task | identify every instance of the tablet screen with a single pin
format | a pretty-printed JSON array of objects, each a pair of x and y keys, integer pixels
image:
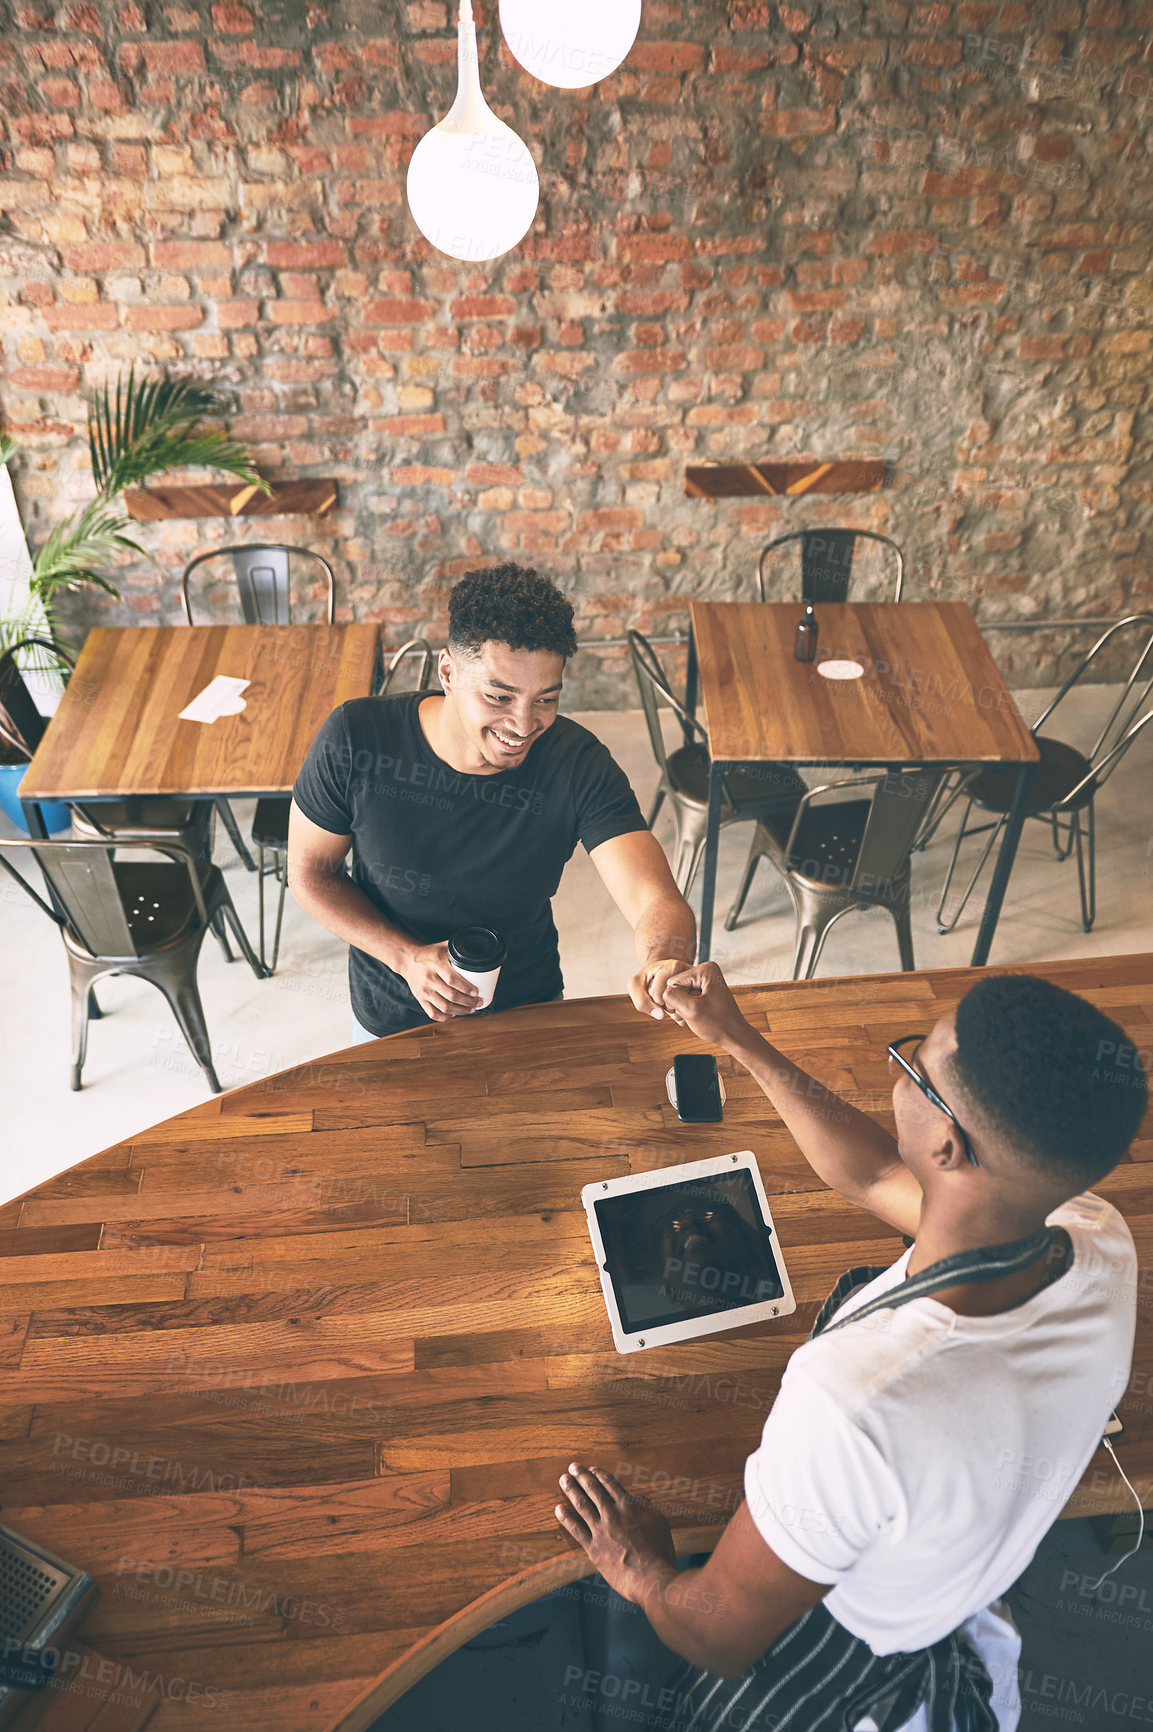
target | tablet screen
[{"x": 687, "y": 1250}]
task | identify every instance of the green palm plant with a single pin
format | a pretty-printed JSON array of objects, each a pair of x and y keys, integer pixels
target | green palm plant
[{"x": 137, "y": 429}]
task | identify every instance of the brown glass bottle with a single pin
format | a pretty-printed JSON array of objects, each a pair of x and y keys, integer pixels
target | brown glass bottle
[{"x": 805, "y": 648}]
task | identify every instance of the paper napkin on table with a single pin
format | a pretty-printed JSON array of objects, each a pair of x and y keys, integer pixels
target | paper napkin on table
[{"x": 221, "y": 697}]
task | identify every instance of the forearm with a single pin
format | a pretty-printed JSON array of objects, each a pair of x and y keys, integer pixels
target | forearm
[
  {"x": 666, "y": 931},
  {"x": 844, "y": 1146},
  {"x": 334, "y": 900},
  {"x": 691, "y": 1619}
]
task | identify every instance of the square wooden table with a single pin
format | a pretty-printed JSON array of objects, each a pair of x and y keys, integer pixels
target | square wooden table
[
  {"x": 118, "y": 733},
  {"x": 930, "y": 693}
]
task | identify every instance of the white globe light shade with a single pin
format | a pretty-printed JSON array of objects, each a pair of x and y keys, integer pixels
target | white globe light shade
[
  {"x": 570, "y": 43},
  {"x": 472, "y": 184}
]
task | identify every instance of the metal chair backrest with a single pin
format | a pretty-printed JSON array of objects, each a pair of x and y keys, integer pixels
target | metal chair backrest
[
  {"x": 417, "y": 649},
  {"x": 21, "y": 724},
  {"x": 655, "y": 690},
  {"x": 899, "y": 801},
  {"x": 262, "y": 573},
  {"x": 89, "y": 896},
  {"x": 1119, "y": 727},
  {"x": 827, "y": 562}
]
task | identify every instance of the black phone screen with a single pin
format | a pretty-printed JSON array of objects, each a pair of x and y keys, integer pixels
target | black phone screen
[{"x": 697, "y": 1088}]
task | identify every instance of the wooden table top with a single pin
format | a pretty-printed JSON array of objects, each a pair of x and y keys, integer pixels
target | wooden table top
[
  {"x": 118, "y": 730},
  {"x": 294, "y": 1374},
  {"x": 930, "y": 693}
]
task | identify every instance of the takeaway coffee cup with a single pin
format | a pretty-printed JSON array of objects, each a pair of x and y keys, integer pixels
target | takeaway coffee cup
[{"x": 477, "y": 952}]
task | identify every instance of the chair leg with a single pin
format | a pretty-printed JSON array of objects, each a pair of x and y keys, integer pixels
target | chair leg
[
  {"x": 183, "y": 995},
  {"x": 221, "y": 936},
  {"x": 944, "y": 925},
  {"x": 94, "y": 1010},
  {"x": 1088, "y": 889},
  {"x": 79, "y": 977},
  {"x": 260, "y": 900},
  {"x": 810, "y": 943},
  {"x": 658, "y": 802},
  {"x": 228, "y": 819},
  {"x": 282, "y": 876},
  {"x": 756, "y": 851},
  {"x": 224, "y": 908},
  {"x": 904, "y": 925}
]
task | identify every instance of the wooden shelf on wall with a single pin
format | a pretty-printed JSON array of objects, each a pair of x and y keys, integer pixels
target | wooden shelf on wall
[
  {"x": 287, "y": 499},
  {"x": 789, "y": 480}
]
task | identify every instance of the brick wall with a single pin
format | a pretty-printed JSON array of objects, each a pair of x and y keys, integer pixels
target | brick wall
[{"x": 917, "y": 231}]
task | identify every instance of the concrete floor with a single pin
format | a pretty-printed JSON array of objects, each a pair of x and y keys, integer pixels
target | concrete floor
[{"x": 139, "y": 1070}]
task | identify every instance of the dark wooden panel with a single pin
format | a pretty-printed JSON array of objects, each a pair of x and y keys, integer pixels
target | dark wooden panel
[
  {"x": 284, "y": 499},
  {"x": 802, "y": 475}
]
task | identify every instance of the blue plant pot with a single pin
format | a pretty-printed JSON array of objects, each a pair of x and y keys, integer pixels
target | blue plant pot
[{"x": 57, "y": 815}]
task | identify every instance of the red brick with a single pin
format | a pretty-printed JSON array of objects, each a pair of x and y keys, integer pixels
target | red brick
[
  {"x": 481, "y": 306},
  {"x": 234, "y": 56},
  {"x": 173, "y": 57},
  {"x": 290, "y": 312},
  {"x": 611, "y": 517},
  {"x": 567, "y": 363},
  {"x": 45, "y": 378},
  {"x": 236, "y": 314},
  {"x": 102, "y": 93},
  {"x": 799, "y": 122},
  {"x": 162, "y": 318},
  {"x": 398, "y": 312},
  {"x": 399, "y": 124},
  {"x": 848, "y": 330},
  {"x": 666, "y": 56},
  {"x": 60, "y": 92},
  {"x": 410, "y": 424},
  {"x": 655, "y": 248},
  {"x": 1041, "y": 348},
  {"x": 895, "y": 242},
  {"x": 306, "y": 254},
  {"x": 650, "y": 361},
  {"x": 421, "y": 475},
  {"x": 814, "y": 300},
  {"x": 191, "y": 255},
  {"x": 232, "y": 20},
  {"x": 494, "y": 474},
  {"x": 928, "y": 53},
  {"x": 90, "y": 316},
  {"x": 731, "y": 357},
  {"x": 103, "y": 256},
  {"x": 768, "y": 330},
  {"x": 481, "y": 366}
]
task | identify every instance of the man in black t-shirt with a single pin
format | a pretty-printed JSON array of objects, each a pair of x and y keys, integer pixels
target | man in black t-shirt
[{"x": 462, "y": 809}]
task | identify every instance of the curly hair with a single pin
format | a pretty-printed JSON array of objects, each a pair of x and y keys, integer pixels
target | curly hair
[
  {"x": 507, "y": 604},
  {"x": 1059, "y": 1080}
]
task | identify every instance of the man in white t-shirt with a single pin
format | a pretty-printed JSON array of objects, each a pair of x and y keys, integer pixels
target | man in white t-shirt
[{"x": 914, "y": 1457}]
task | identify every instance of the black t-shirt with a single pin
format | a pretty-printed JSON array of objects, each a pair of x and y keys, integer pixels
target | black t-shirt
[{"x": 435, "y": 849}]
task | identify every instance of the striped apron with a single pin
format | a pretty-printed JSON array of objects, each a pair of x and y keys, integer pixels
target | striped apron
[{"x": 817, "y": 1676}]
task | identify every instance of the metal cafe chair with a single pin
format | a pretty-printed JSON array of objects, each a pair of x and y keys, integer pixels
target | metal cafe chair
[
  {"x": 827, "y": 562},
  {"x": 43, "y": 1602},
  {"x": 146, "y": 919},
  {"x": 840, "y": 850},
  {"x": 746, "y": 794},
  {"x": 268, "y": 581},
  {"x": 1066, "y": 781},
  {"x": 270, "y": 825}
]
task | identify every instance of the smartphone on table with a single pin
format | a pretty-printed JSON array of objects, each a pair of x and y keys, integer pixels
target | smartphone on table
[{"x": 697, "y": 1088}]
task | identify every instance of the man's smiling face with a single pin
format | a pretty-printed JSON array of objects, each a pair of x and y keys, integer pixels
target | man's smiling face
[{"x": 502, "y": 700}]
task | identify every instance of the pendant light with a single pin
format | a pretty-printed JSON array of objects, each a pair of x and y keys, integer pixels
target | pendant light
[
  {"x": 472, "y": 184},
  {"x": 570, "y": 43}
]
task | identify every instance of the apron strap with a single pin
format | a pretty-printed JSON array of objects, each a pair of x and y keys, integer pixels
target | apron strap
[{"x": 988, "y": 1263}]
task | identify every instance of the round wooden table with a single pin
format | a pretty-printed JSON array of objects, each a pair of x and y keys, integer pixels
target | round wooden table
[{"x": 293, "y": 1375}]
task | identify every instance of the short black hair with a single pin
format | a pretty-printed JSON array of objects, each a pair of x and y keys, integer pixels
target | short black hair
[
  {"x": 1055, "y": 1076},
  {"x": 507, "y": 604}
]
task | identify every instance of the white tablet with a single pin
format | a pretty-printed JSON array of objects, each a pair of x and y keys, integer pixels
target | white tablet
[{"x": 686, "y": 1251}]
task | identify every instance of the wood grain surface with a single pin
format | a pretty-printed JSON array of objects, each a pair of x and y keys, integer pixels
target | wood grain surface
[
  {"x": 801, "y": 475},
  {"x": 294, "y": 1374},
  {"x": 284, "y": 499},
  {"x": 118, "y": 729},
  {"x": 930, "y": 693}
]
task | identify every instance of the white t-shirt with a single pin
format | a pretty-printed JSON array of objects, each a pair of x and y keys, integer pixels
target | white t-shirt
[{"x": 917, "y": 1458}]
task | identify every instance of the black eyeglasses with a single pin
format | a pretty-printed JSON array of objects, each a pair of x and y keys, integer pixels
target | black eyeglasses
[{"x": 929, "y": 1091}]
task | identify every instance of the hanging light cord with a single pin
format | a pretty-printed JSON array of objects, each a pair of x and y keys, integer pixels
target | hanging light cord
[{"x": 1107, "y": 1443}]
